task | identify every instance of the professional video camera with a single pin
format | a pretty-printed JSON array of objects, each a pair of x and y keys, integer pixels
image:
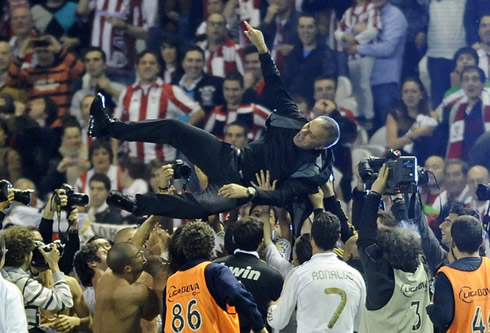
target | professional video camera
[
  {"x": 483, "y": 192},
  {"x": 19, "y": 195},
  {"x": 74, "y": 198},
  {"x": 182, "y": 170},
  {"x": 404, "y": 173},
  {"x": 38, "y": 260}
]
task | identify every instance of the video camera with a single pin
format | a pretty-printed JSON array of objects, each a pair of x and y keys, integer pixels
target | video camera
[
  {"x": 74, "y": 198},
  {"x": 483, "y": 192},
  {"x": 404, "y": 173},
  {"x": 38, "y": 260},
  {"x": 23, "y": 196},
  {"x": 182, "y": 170}
]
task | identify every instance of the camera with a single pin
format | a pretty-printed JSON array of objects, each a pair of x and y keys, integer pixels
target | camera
[
  {"x": 483, "y": 192},
  {"x": 74, "y": 198},
  {"x": 404, "y": 173},
  {"x": 19, "y": 195},
  {"x": 40, "y": 43},
  {"x": 38, "y": 260},
  {"x": 182, "y": 170}
]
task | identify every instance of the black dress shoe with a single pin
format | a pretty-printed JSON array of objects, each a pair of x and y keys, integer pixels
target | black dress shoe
[
  {"x": 99, "y": 121},
  {"x": 122, "y": 201}
]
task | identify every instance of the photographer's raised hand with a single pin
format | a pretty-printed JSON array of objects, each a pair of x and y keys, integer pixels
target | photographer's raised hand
[
  {"x": 50, "y": 209},
  {"x": 10, "y": 198},
  {"x": 52, "y": 258},
  {"x": 164, "y": 177},
  {"x": 379, "y": 184}
]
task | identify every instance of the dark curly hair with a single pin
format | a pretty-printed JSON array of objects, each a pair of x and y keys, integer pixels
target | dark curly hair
[
  {"x": 176, "y": 257},
  {"x": 197, "y": 240},
  {"x": 325, "y": 230},
  {"x": 401, "y": 248},
  {"x": 19, "y": 243},
  {"x": 466, "y": 232},
  {"x": 248, "y": 233},
  {"x": 86, "y": 254}
]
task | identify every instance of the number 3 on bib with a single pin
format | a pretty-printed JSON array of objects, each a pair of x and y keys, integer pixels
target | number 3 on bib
[{"x": 194, "y": 318}]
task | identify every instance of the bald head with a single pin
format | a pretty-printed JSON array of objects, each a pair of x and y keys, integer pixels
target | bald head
[
  {"x": 120, "y": 256},
  {"x": 435, "y": 164},
  {"x": 476, "y": 175},
  {"x": 124, "y": 235}
]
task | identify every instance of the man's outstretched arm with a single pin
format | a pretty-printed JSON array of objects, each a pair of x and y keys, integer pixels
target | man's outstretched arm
[{"x": 275, "y": 89}]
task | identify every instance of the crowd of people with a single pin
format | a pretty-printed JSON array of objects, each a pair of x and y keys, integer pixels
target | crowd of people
[{"x": 218, "y": 140}]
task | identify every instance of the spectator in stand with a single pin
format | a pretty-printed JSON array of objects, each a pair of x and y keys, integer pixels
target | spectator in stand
[
  {"x": 446, "y": 34},
  {"x": 72, "y": 160},
  {"x": 171, "y": 62},
  {"x": 220, "y": 294},
  {"x": 55, "y": 71},
  {"x": 477, "y": 174},
  {"x": 466, "y": 56},
  {"x": 236, "y": 134},
  {"x": 466, "y": 277},
  {"x": 212, "y": 7},
  {"x": 10, "y": 162},
  {"x": 22, "y": 30},
  {"x": 6, "y": 59},
  {"x": 474, "y": 9},
  {"x": 410, "y": 127},
  {"x": 360, "y": 24},
  {"x": 309, "y": 59},
  {"x": 397, "y": 281},
  {"x": 205, "y": 89},
  {"x": 85, "y": 112},
  {"x": 465, "y": 120},
  {"x": 388, "y": 51},
  {"x": 98, "y": 210},
  {"x": 58, "y": 18},
  {"x": 222, "y": 54},
  {"x": 484, "y": 46},
  {"x": 239, "y": 11},
  {"x": 116, "y": 26},
  {"x": 132, "y": 173},
  {"x": 416, "y": 44},
  {"x": 94, "y": 81},
  {"x": 20, "y": 244},
  {"x": 280, "y": 29},
  {"x": 100, "y": 156},
  {"x": 253, "y": 80},
  {"x": 251, "y": 115},
  {"x": 261, "y": 280},
  {"x": 151, "y": 98},
  {"x": 324, "y": 88},
  {"x": 455, "y": 173},
  {"x": 13, "y": 318}
]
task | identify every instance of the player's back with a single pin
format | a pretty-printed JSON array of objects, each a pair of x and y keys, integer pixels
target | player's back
[
  {"x": 116, "y": 308},
  {"x": 330, "y": 295}
]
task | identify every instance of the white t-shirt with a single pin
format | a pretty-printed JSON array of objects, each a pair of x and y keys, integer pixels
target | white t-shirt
[
  {"x": 327, "y": 293},
  {"x": 12, "y": 313}
]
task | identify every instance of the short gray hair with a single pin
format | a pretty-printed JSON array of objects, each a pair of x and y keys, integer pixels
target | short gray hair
[{"x": 333, "y": 131}]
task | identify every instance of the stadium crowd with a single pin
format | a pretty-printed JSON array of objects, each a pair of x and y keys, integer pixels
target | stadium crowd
[{"x": 228, "y": 166}]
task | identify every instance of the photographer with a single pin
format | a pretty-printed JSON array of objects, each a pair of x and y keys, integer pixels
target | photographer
[
  {"x": 5, "y": 204},
  {"x": 57, "y": 202},
  {"x": 397, "y": 282},
  {"x": 20, "y": 245}
]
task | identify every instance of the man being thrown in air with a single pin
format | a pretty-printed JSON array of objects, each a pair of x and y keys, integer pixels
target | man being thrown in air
[{"x": 294, "y": 150}]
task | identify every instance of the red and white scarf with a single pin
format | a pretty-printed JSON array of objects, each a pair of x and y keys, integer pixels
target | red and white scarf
[{"x": 456, "y": 124}]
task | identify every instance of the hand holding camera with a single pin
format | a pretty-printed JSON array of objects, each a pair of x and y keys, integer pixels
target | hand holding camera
[
  {"x": 379, "y": 185},
  {"x": 6, "y": 188},
  {"x": 51, "y": 255},
  {"x": 10, "y": 197}
]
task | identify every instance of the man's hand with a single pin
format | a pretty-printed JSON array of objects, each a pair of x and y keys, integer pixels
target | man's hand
[
  {"x": 26, "y": 48},
  {"x": 52, "y": 257},
  {"x": 349, "y": 40},
  {"x": 10, "y": 198},
  {"x": 51, "y": 206},
  {"x": 54, "y": 45},
  {"x": 379, "y": 184},
  {"x": 73, "y": 220},
  {"x": 324, "y": 107},
  {"x": 359, "y": 27},
  {"x": 316, "y": 199},
  {"x": 351, "y": 49},
  {"x": 328, "y": 190},
  {"x": 157, "y": 243},
  {"x": 256, "y": 38},
  {"x": 165, "y": 175},
  {"x": 66, "y": 323},
  {"x": 264, "y": 181},
  {"x": 116, "y": 22},
  {"x": 233, "y": 191}
]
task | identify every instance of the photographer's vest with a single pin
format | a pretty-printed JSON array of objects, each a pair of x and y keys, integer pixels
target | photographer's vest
[
  {"x": 471, "y": 291},
  {"x": 405, "y": 311},
  {"x": 192, "y": 308}
]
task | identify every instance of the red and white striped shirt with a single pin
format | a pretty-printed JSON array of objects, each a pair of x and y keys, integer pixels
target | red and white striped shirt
[
  {"x": 224, "y": 60},
  {"x": 157, "y": 101},
  {"x": 247, "y": 10},
  {"x": 114, "y": 174},
  {"x": 118, "y": 46},
  {"x": 251, "y": 115}
]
